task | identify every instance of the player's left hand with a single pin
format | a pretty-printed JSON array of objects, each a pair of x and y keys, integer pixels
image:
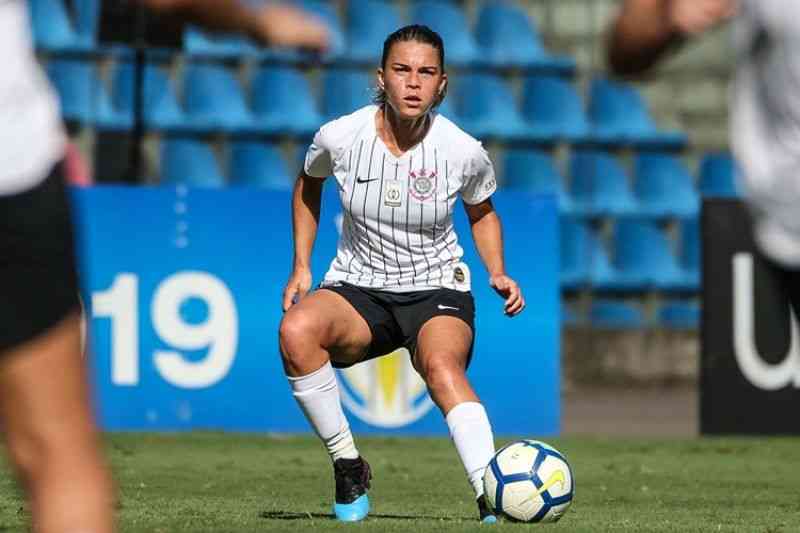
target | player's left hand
[{"x": 508, "y": 289}]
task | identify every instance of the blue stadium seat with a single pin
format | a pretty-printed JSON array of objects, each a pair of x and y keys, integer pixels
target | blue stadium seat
[
  {"x": 643, "y": 257},
  {"x": 680, "y": 315},
  {"x": 553, "y": 109},
  {"x": 664, "y": 186},
  {"x": 83, "y": 95},
  {"x": 448, "y": 20},
  {"x": 345, "y": 91},
  {"x": 87, "y": 16},
  {"x": 600, "y": 185},
  {"x": 189, "y": 162},
  {"x": 509, "y": 39},
  {"x": 53, "y": 30},
  {"x": 718, "y": 176},
  {"x": 619, "y": 116},
  {"x": 197, "y": 43},
  {"x": 161, "y": 109},
  {"x": 76, "y": 85},
  {"x": 369, "y": 22},
  {"x": 602, "y": 273},
  {"x": 282, "y": 102},
  {"x": 534, "y": 171},
  {"x": 576, "y": 247},
  {"x": 214, "y": 100},
  {"x": 488, "y": 108},
  {"x": 615, "y": 314},
  {"x": 690, "y": 254},
  {"x": 259, "y": 165}
]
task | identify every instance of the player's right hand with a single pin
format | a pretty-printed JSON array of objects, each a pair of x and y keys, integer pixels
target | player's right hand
[
  {"x": 297, "y": 287},
  {"x": 286, "y": 26},
  {"x": 691, "y": 17}
]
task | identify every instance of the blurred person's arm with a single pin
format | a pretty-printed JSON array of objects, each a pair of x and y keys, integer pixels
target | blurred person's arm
[
  {"x": 644, "y": 30},
  {"x": 269, "y": 24},
  {"x": 306, "y": 200}
]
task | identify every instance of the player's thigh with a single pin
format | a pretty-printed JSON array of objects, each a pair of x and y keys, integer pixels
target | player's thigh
[
  {"x": 443, "y": 342},
  {"x": 44, "y": 397},
  {"x": 38, "y": 280},
  {"x": 331, "y": 320}
]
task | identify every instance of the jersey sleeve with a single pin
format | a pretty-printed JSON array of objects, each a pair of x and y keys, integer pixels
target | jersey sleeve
[
  {"x": 479, "y": 178},
  {"x": 319, "y": 162}
]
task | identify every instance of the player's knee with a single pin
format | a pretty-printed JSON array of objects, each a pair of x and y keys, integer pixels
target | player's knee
[
  {"x": 29, "y": 451},
  {"x": 440, "y": 372},
  {"x": 297, "y": 330}
]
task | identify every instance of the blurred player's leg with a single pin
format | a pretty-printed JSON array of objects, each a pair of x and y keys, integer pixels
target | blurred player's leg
[
  {"x": 44, "y": 399},
  {"x": 51, "y": 437},
  {"x": 441, "y": 357},
  {"x": 320, "y": 327}
]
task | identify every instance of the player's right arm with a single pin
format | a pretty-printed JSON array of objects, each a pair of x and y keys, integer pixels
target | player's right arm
[
  {"x": 306, "y": 201},
  {"x": 270, "y": 24},
  {"x": 645, "y": 30}
]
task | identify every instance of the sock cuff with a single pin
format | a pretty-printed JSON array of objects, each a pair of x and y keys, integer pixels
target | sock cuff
[
  {"x": 465, "y": 411},
  {"x": 315, "y": 380}
]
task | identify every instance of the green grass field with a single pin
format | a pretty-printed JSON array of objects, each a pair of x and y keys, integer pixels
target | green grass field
[{"x": 221, "y": 482}]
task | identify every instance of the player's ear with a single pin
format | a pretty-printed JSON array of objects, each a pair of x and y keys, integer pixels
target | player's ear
[
  {"x": 381, "y": 83},
  {"x": 442, "y": 84}
]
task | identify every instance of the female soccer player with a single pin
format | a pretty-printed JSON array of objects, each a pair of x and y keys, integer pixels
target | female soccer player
[{"x": 397, "y": 279}]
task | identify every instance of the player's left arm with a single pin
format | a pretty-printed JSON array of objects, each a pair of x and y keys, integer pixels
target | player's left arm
[{"x": 487, "y": 232}]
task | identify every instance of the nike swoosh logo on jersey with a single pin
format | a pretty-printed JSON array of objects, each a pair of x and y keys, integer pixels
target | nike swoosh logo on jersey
[
  {"x": 365, "y": 180},
  {"x": 440, "y": 306}
]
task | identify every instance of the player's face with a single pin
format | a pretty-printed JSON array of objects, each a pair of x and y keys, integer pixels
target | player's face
[{"x": 412, "y": 78}]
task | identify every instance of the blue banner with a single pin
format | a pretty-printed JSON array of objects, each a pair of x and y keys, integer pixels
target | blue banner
[{"x": 183, "y": 293}]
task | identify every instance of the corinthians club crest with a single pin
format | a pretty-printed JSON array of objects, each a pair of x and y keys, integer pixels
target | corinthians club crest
[{"x": 422, "y": 184}]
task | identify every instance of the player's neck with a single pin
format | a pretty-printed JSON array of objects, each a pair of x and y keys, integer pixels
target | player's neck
[{"x": 400, "y": 135}]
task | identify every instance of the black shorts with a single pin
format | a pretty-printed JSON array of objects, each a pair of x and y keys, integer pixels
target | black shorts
[
  {"x": 396, "y": 318},
  {"x": 38, "y": 280}
]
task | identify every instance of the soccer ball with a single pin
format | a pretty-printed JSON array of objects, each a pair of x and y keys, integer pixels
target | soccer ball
[{"x": 529, "y": 481}]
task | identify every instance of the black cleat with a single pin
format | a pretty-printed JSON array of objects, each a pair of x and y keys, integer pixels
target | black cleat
[
  {"x": 486, "y": 513},
  {"x": 352, "y": 481}
]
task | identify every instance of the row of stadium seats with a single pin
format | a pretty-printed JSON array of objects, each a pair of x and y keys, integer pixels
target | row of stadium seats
[
  {"x": 280, "y": 102},
  {"x": 611, "y": 314},
  {"x": 503, "y": 35},
  {"x": 600, "y": 186},
  {"x": 642, "y": 257},
  {"x": 663, "y": 187}
]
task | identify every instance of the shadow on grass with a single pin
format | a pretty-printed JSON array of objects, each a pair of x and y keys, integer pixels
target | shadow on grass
[{"x": 288, "y": 515}]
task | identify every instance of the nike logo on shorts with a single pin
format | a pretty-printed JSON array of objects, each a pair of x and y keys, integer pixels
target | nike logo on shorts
[
  {"x": 365, "y": 180},
  {"x": 440, "y": 306}
]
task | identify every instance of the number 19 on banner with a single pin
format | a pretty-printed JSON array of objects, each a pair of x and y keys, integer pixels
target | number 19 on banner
[{"x": 218, "y": 333}]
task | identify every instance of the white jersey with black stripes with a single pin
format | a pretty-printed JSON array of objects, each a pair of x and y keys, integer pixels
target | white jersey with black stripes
[
  {"x": 397, "y": 232},
  {"x": 765, "y": 122},
  {"x": 31, "y": 136}
]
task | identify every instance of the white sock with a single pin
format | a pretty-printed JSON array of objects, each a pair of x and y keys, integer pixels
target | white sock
[
  {"x": 472, "y": 435},
  {"x": 318, "y": 396}
]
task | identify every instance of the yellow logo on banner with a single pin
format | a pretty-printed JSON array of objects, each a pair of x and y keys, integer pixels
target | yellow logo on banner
[{"x": 386, "y": 392}]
